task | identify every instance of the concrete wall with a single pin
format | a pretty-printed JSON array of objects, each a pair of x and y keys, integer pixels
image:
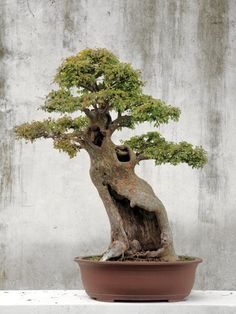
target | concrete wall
[{"x": 50, "y": 212}]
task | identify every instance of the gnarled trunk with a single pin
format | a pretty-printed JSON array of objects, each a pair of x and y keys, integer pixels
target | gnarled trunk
[{"x": 138, "y": 219}]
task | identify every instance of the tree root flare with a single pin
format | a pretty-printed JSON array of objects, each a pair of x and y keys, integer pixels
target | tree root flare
[
  {"x": 118, "y": 252},
  {"x": 152, "y": 256},
  {"x": 116, "y": 249}
]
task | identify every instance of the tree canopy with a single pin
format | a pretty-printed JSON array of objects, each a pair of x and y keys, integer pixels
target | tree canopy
[{"x": 94, "y": 83}]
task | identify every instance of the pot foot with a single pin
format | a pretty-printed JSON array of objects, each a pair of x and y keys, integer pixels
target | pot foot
[
  {"x": 135, "y": 298},
  {"x": 104, "y": 299},
  {"x": 177, "y": 299}
]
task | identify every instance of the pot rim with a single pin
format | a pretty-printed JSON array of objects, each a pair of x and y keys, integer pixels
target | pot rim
[{"x": 84, "y": 259}]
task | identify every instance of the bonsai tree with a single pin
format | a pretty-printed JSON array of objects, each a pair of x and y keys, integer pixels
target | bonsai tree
[{"x": 106, "y": 96}]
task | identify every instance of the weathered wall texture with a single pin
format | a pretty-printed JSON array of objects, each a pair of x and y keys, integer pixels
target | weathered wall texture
[{"x": 50, "y": 212}]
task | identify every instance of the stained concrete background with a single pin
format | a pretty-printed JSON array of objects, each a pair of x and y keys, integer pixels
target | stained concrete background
[{"x": 50, "y": 212}]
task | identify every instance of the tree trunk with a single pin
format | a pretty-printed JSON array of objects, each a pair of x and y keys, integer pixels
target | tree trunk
[{"x": 138, "y": 219}]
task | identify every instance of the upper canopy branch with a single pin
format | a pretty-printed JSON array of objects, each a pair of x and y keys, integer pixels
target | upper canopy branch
[
  {"x": 89, "y": 113},
  {"x": 121, "y": 121},
  {"x": 95, "y": 80}
]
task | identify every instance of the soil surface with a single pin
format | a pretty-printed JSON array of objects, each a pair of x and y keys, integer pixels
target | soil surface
[{"x": 141, "y": 259}]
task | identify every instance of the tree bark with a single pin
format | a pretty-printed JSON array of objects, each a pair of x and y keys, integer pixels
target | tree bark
[{"x": 138, "y": 219}]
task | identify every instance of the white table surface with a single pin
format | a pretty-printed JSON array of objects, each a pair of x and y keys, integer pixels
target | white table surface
[{"x": 76, "y": 301}]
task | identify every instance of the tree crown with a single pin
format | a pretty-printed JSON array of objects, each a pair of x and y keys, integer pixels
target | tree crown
[{"x": 94, "y": 83}]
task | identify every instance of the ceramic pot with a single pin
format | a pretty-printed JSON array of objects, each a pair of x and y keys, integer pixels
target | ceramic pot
[{"x": 137, "y": 280}]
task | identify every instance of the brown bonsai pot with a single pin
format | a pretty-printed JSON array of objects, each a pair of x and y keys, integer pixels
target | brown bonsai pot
[{"x": 137, "y": 280}]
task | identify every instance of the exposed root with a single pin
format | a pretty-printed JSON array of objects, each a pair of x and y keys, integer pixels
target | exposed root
[
  {"x": 116, "y": 249},
  {"x": 157, "y": 256},
  {"x": 137, "y": 234}
]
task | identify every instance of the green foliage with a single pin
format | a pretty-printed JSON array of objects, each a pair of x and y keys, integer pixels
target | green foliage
[
  {"x": 64, "y": 131},
  {"x": 83, "y": 69},
  {"x": 153, "y": 146},
  {"x": 95, "y": 79},
  {"x": 66, "y": 145},
  {"x": 113, "y": 98},
  {"x": 61, "y": 101},
  {"x": 97, "y": 69},
  {"x": 49, "y": 128},
  {"x": 154, "y": 110}
]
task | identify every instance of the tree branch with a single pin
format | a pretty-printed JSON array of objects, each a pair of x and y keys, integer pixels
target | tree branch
[
  {"x": 120, "y": 121},
  {"x": 74, "y": 136},
  {"x": 91, "y": 89},
  {"x": 140, "y": 157},
  {"x": 88, "y": 113},
  {"x": 106, "y": 108}
]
